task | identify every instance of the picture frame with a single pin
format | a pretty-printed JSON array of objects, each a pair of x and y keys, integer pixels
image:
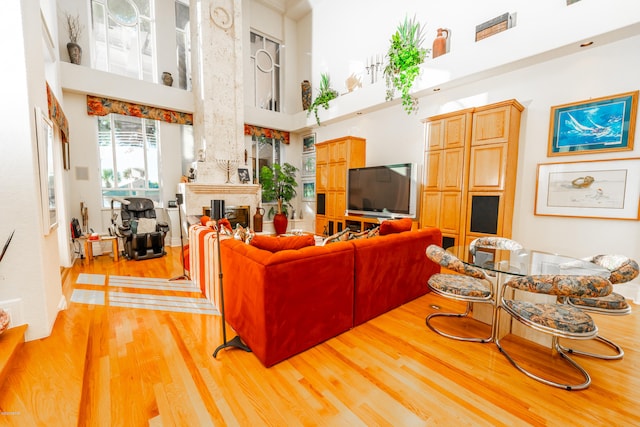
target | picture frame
[
  {"x": 597, "y": 125},
  {"x": 243, "y": 175},
  {"x": 591, "y": 189},
  {"x": 46, "y": 170},
  {"x": 309, "y": 143},
  {"x": 308, "y": 168},
  {"x": 308, "y": 190}
]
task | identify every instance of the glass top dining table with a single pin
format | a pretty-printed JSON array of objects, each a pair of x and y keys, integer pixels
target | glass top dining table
[
  {"x": 523, "y": 262},
  {"x": 520, "y": 262}
]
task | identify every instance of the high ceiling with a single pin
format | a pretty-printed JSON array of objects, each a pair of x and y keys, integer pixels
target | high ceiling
[{"x": 294, "y": 9}]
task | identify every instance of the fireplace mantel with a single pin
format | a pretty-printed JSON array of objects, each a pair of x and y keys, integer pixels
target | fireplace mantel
[
  {"x": 222, "y": 188},
  {"x": 197, "y": 195}
]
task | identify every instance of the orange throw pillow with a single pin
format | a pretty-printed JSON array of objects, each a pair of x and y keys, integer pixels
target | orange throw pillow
[
  {"x": 275, "y": 244},
  {"x": 391, "y": 226},
  {"x": 204, "y": 219}
]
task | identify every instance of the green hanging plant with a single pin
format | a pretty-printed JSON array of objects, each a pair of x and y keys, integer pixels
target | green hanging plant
[
  {"x": 325, "y": 94},
  {"x": 405, "y": 56}
]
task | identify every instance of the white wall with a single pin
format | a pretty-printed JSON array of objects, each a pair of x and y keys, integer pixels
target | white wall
[
  {"x": 603, "y": 69},
  {"x": 29, "y": 272}
]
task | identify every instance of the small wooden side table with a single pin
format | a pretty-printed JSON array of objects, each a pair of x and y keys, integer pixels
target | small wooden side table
[{"x": 88, "y": 247}]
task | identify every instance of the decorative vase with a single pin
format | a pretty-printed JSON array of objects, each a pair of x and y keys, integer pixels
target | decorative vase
[
  {"x": 306, "y": 94},
  {"x": 75, "y": 53},
  {"x": 280, "y": 223},
  {"x": 167, "y": 79},
  {"x": 257, "y": 220},
  {"x": 440, "y": 43}
]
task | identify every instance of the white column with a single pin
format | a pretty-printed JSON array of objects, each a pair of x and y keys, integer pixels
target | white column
[{"x": 219, "y": 109}]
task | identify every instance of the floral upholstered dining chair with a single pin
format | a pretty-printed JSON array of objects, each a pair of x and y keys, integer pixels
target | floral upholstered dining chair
[
  {"x": 470, "y": 286},
  {"x": 556, "y": 319},
  {"x": 623, "y": 269}
]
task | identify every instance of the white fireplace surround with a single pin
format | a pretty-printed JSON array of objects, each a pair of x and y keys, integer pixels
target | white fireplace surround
[{"x": 196, "y": 196}]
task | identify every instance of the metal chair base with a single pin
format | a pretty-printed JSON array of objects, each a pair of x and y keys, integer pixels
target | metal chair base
[
  {"x": 569, "y": 387},
  {"x": 619, "y": 351},
  {"x": 455, "y": 337}
]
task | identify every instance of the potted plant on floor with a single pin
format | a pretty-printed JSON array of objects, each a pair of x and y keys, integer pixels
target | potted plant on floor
[
  {"x": 279, "y": 183},
  {"x": 405, "y": 56},
  {"x": 325, "y": 94}
]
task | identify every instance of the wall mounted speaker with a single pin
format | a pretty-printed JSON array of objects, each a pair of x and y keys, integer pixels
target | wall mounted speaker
[
  {"x": 484, "y": 214},
  {"x": 179, "y": 199},
  {"x": 217, "y": 209},
  {"x": 320, "y": 205}
]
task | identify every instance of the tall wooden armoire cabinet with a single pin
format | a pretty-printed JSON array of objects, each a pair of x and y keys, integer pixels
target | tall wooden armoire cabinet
[
  {"x": 333, "y": 159},
  {"x": 471, "y": 159}
]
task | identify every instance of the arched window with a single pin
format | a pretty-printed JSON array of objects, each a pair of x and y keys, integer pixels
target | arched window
[{"x": 124, "y": 37}]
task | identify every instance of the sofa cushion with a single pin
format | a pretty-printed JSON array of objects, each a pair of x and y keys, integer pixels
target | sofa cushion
[
  {"x": 366, "y": 234},
  {"x": 391, "y": 226},
  {"x": 275, "y": 244},
  {"x": 340, "y": 236}
]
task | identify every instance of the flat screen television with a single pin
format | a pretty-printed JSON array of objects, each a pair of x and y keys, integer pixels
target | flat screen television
[{"x": 388, "y": 191}]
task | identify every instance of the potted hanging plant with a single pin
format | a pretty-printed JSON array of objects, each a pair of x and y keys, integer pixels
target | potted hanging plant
[
  {"x": 325, "y": 94},
  {"x": 405, "y": 56},
  {"x": 74, "y": 29},
  {"x": 279, "y": 183}
]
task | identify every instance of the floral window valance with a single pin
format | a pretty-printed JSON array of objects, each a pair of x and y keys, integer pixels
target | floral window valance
[
  {"x": 266, "y": 133},
  {"x": 57, "y": 115},
  {"x": 97, "y": 106}
]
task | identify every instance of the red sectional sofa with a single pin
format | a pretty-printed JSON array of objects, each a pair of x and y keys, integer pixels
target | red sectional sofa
[{"x": 286, "y": 302}]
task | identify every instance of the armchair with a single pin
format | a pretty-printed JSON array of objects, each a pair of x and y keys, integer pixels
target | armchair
[{"x": 142, "y": 233}]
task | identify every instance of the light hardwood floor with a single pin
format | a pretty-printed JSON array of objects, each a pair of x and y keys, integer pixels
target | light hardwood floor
[{"x": 113, "y": 366}]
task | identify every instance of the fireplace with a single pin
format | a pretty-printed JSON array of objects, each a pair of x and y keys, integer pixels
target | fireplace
[
  {"x": 235, "y": 214},
  {"x": 239, "y": 199}
]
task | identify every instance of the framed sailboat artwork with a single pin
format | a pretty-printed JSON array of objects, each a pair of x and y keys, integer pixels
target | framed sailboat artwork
[{"x": 593, "y": 126}]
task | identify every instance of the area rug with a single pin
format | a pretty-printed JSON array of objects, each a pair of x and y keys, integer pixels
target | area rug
[
  {"x": 142, "y": 300},
  {"x": 152, "y": 283},
  {"x": 91, "y": 279}
]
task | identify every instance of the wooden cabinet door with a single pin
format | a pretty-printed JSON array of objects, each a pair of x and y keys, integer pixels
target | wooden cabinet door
[
  {"x": 357, "y": 153},
  {"x": 322, "y": 153},
  {"x": 322, "y": 177},
  {"x": 491, "y": 126},
  {"x": 341, "y": 203},
  {"x": 487, "y": 168},
  {"x": 455, "y": 131},
  {"x": 436, "y": 135},
  {"x": 321, "y": 223},
  {"x": 332, "y": 177},
  {"x": 331, "y": 204},
  {"x": 450, "y": 211},
  {"x": 430, "y": 209},
  {"x": 340, "y": 178},
  {"x": 432, "y": 161},
  {"x": 452, "y": 173},
  {"x": 338, "y": 151}
]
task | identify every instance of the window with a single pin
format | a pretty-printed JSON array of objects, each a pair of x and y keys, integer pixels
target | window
[
  {"x": 129, "y": 157},
  {"x": 264, "y": 152},
  {"x": 124, "y": 37},
  {"x": 265, "y": 62},
  {"x": 183, "y": 45}
]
